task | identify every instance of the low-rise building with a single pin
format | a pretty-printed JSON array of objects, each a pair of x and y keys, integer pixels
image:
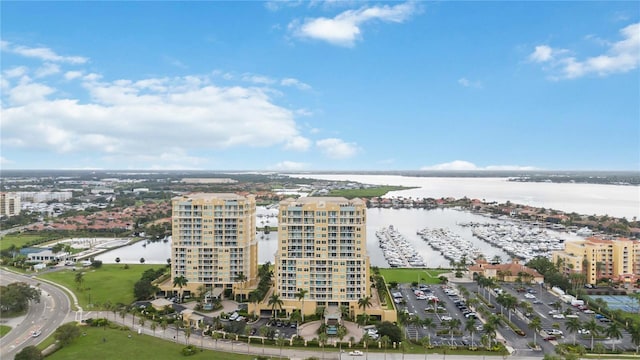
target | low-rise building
[{"x": 505, "y": 272}]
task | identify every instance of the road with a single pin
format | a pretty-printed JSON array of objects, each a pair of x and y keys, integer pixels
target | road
[{"x": 52, "y": 311}]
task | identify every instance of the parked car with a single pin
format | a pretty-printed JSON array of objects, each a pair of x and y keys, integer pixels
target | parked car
[
  {"x": 356, "y": 353},
  {"x": 557, "y": 316},
  {"x": 584, "y": 332},
  {"x": 550, "y": 337}
]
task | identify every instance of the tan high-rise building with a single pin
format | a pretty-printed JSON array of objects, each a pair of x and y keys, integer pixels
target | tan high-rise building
[
  {"x": 618, "y": 259},
  {"x": 9, "y": 204},
  {"x": 322, "y": 249},
  {"x": 213, "y": 241}
]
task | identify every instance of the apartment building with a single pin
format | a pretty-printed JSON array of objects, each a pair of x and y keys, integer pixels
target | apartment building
[
  {"x": 617, "y": 259},
  {"x": 322, "y": 249},
  {"x": 213, "y": 242},
  {"x": 9, "y": 204}
]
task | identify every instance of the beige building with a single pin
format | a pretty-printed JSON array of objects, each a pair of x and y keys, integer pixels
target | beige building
[
  {"x": 597, "y": 258},
  {"x": 213, "y": 242},
  {"x": 510, "y": 272},
  {"x": 9, "y": 204},
  {"x": 322, "y": 249}
]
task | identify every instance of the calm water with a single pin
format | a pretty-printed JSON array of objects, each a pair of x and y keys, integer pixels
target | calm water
[
  {"x": 406, "y": 221},
  {"x": 588, "y": 199}
]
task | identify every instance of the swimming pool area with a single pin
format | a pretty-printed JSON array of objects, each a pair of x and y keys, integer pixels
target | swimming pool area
[{"x": 621, "y": 302}]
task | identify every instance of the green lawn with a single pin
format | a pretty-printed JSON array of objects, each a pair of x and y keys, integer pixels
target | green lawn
[
  {"x": 110, "y": 282},
  {"x": 19, "y": 240},
  {"x": 4, "y": 329},
  {"x": 423, "y": 276},
  {"x": 111, "y": 344},
  {"x": 366, "y": 193}
]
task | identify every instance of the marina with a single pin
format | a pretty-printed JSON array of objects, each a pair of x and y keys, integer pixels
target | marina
[
  {"x": 398, "y": 251},
  {"x": 451, "y": 246},
  {"x": 521, "y": 240}
]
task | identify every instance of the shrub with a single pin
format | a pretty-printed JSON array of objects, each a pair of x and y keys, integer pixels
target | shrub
[{"x": 189, "y": 350}]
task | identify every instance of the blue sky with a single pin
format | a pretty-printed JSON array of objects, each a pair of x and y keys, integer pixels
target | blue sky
[{"x": 320, "y": 85}]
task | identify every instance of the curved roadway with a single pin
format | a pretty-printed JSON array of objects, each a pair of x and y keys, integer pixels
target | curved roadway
[{"x": 52, "y": 311}]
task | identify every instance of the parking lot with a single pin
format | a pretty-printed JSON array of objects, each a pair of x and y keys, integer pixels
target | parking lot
[{"x": 445, "y": 311}]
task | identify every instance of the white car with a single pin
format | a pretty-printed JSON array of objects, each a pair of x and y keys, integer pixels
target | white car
[
  {"x": 557, "y": 316},
  {"x": 554, "y": 332},
  {"x": 446, "y": 318},
  {"x": 588, "y": 311},
  {"x": 584, "y": 332},
  {"x": 529, "y": 296},
  {"x": 36, "y": 333},
  {"x": 356, "y": 353}
]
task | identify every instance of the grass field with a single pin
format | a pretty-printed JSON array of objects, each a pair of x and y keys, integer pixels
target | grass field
[
  {"x": 423, "y": 276},
  {"x": 110, "y": 282},
  {"x": 366, "y": 193},
  {"x": 110, "y": 344},
  {"x": 4, "y": 330},
  {"x": 19, "y": 240}
]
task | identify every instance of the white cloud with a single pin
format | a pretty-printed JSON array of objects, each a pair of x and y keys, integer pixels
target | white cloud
[
  {"x": 468, "y": 83},
  {"x": 542, "y": 53},
  {"x": 468, "y": 166},
  {"x": 337, "y": 148},
  {"x": 28, "y": 93},
  {"x": 345, "y": 28},
  {"x": 146, "y": 120},
  {"x": 258, "y": 79},
  {"x": 70, "y": 75},
  {"x": 17, "y": 71},
  {"x": 298, "y": 143},
  {"x": 5, "y": 161},
  {"x": 42, "y": 53},
  {"x": 290, "y": 165},
  {"x": 295, "y": 82},
  {"x": 621, "y": 56},
  {"x": 47, "y": 69}
]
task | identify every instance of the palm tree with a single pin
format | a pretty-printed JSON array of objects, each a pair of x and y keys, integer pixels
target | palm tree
[
  {"x": 573, "y": 325},
  {"x": 634, "y": 330},
  {"x": 180, "y": 281},
  {"x": 153, "y": 326},
  {"x": 429, "y": 324},
  {"x": 593, "y": 328},
  {"x": 164, "y": 325},
  {"x": 275, "y": 302},
  {"x": 470, "y": 326},
  {"x": 453, "y": 325},
  {"x": 365, "y": 343},
  {"x": 300, "y": 296},
  {"x": 535, "y": 325},
  {"x": 322, "y": 341},
  {"x": 613, "y": 331},
  {"x": 79, "y": 280},
  {"x": 187, "y": 332},
  {"x": 216, "y": 336},
  {"x": 364, "y": 303},
  {"x": 636, "y": 296},
  {"x": 385, "y": 341},
  {"x": 342, "y": 332},
  {"x": 264, "y": 331}
]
